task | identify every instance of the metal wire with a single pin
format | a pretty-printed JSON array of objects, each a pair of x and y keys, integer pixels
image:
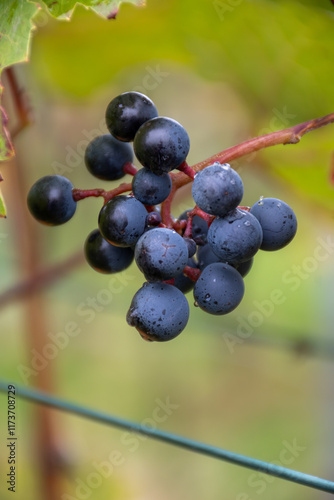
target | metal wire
[{"x": 189, "y": 444}]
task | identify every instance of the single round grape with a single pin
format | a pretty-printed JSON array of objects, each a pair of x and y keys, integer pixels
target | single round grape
[
  {"x": 158, "y": 311},
  {"x": 192, "y": 247},
  {"x": 149, "y": 188},
  {"x": 236, "y": 237},
  {"x": 278, "y": 222},
  {"x": 199, "y": 227},
  {"x": 217, "y": 189},
  {"x": 161, "y": 254},
  {"x": 127, "y": 112},
  {"x": 153, "y": 219},
  {"x": 122, "y": 220},
  {"x": 105, "y": 157},
  {"x": 182, "y": 282},
  {"x": 219, "y": 289},
  {"x": 50, "y": 200},
  {"x": 104, "y": 257},
  {"x": 161, "y": 144}
]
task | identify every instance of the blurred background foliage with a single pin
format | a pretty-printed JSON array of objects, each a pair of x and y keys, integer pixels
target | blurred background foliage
[{"x": 227, "y": 70}]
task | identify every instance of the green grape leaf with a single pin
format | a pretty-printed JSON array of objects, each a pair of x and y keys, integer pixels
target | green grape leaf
[
  {"x": 15, "y": 33},
  {"x": 2, "y": 207},
  {"x": 105, "y": 8}
]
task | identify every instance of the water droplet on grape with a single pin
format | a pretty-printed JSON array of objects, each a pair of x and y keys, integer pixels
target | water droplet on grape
[
  {"x": 247, "y": 223},
  {"x": 226, "y": 166},
  {"x": 207, "y": 297},
  {"x": 196, "y": 304},
  {"x": 279, "y": 204},
  {"x": 260, "y": 202}
]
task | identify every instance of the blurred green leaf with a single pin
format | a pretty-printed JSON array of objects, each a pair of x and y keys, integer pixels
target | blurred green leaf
[{"x": 223, "y": 46}]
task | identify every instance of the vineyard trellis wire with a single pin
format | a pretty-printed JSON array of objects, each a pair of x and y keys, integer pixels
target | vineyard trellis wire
[{"x": 173, "y": 439}]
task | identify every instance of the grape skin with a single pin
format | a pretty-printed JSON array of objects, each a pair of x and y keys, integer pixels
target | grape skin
[
  {"x": 217, "y": 189},
  {"x": 206, "y": 256},
  {"x": 236, "y": 237},
  {"x": 104, "y": 257},
  {"x": 122, "y": 220},
  {"x": 159, "y": 312},
  {"x": 161, "y": 254},
  {"x": 105, "y": 157},
  {"x": 127, "y": 112},
  {"x": 278, "y": 222},
  {"x": 219, "y": 289},
  {"x": 161, "y": 144},
  {"x": 149, "y": 188},
  {"x": 50, "y": 200}
]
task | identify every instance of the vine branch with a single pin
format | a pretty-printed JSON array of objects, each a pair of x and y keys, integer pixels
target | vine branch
[
  {"x": 19, "y": 97},
  {"x": 291, "y": 135}
]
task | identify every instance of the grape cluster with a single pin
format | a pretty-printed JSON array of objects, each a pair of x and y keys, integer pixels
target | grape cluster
[{"x": 208, "y": 249}]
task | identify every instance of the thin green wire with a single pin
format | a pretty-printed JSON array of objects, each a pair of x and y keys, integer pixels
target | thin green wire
[{"x": 189, "y": 444}]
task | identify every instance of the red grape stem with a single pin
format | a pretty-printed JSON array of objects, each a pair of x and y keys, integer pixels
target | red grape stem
[
  {"x": 81, "y": 194},
  {"x": 129, "y": 168},
  {"x": 189, "y": 171},
  {"x": 192, "y": 273},
  {"x": 190, "y": 215}
]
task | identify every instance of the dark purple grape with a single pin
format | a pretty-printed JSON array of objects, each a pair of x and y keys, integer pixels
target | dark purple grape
[
  {"x": 219, "y": 289},
  {"x": 153, "y": 219},
  {"x": 236, "y": 237},
  {"x": 50, "y": 200},
  {"x": 192, "y": 247},
  {"x": 217, "y": 189},
  {"x": 161, "y": 254},
  {"x": 104, "y": 257},
  {"x": 158, "y": 311},
  {"x": 149, "y": 188},
  {"x": 161, "y": 144},
  {"x": 122, "y": 220},
  {"x": 105, "y": 157},
  {"x": 278, "y": 222},
  {"x": 127, "y": 112}
]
